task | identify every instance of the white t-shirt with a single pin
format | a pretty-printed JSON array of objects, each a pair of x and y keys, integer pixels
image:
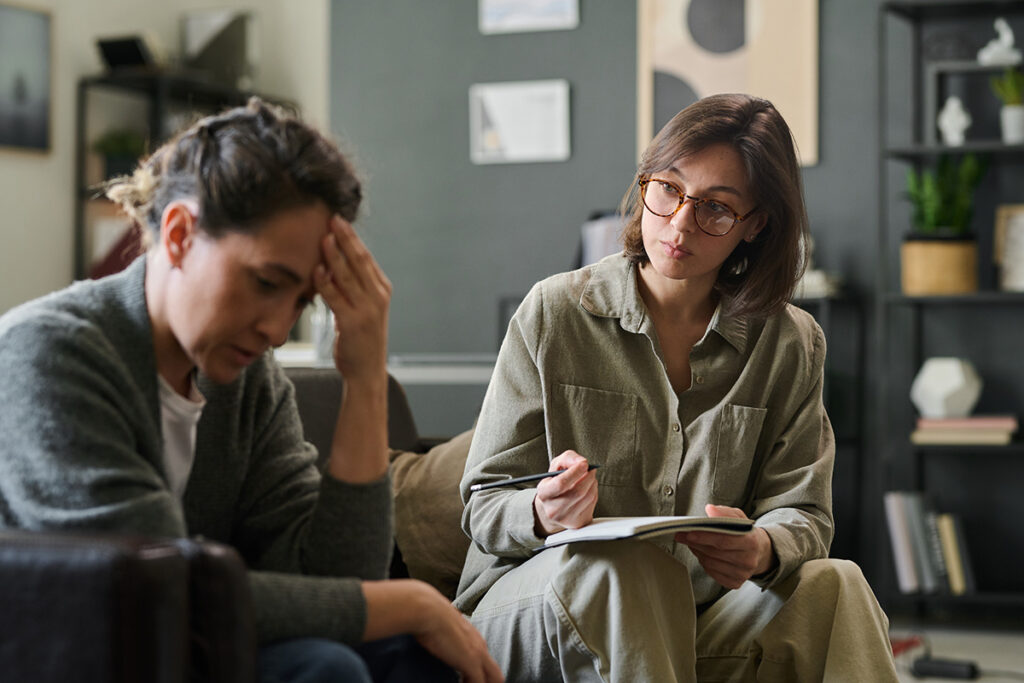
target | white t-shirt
[{"x": 180, "y": 416}]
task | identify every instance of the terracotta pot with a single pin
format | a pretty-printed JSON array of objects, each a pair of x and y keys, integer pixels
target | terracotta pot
[{"x": 939, "y": 266}]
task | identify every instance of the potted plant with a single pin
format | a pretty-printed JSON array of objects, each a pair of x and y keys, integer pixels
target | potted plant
[
  {"x": 940, "y": 255},
  {"x": 120, "y": 149},
  {"x": 1009, "y": 88}
]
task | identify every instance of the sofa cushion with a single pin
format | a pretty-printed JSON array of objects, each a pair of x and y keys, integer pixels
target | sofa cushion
[{"x": 428, "y": 512}]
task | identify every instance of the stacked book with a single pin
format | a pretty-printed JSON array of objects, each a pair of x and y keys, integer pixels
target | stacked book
[
  {"x": 988, "y": 430},
  {"x": 929, "y": 548}
]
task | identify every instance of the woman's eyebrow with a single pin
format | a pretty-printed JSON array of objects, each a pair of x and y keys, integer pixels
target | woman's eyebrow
[
  {"x": 714, "y": 188},
  {"x": 285, "y": 271}
]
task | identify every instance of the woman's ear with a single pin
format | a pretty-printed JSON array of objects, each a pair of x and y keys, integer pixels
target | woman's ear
[
  {"x": 178, "y": 226},
  {"x": 759, "y": 221}
]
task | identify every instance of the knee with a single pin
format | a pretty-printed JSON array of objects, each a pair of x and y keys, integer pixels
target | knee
[
  {"x": 618, "y": 567},
  {"x": 833, "y": 578},
  {"x": 311, "y": 660}
]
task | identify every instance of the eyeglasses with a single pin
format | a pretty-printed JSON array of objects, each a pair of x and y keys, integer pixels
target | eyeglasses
[{"x": 663, "y": 198}]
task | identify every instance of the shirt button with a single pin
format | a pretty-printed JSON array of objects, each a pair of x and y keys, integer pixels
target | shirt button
[
  {"x": 675, "y": 427},
  {"x": 700, "y": 379},
  {"x": 668, "y": 490}
]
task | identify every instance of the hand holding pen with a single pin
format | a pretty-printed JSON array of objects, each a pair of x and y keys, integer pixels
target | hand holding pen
[
  {"x": 522, "y": 480},
  {"x": 566, "y": 501}
]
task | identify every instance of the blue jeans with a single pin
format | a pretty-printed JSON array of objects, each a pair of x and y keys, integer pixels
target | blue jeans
[{"x": 317, "y": 660}]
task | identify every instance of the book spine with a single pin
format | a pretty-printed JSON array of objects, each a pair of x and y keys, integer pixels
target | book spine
[
  {"x": 951, "y": 553},
  {"x": 970, "y": 586},
  {"x": 935, "y": 555},
  {"x": 964, "y": 437},
  {"x": 899, "y": 537},
  {"x": 915, "y": 511},
  {"x": 1008, "y": 423}
]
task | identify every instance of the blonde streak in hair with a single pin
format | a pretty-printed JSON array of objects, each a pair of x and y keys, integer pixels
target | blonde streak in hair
[{"x": 134, "y": 194}]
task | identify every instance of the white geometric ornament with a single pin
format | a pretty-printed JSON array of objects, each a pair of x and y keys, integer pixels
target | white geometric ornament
[{"x": 946, "y": 387}]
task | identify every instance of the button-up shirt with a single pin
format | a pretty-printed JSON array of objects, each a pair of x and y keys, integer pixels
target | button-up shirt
[{"x": 581, "y": 368}]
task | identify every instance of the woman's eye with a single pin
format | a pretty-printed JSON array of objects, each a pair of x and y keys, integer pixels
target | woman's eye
[
  {"x": 716, "y": 207},
  {"x": 668, "y": 189},
  {"x": 266, "y": 285}
]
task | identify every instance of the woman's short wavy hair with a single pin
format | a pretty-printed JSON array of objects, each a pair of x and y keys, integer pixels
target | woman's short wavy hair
[{"x": 758, "y": 277}]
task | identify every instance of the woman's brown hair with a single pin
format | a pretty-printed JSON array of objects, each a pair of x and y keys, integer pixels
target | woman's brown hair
[
  {"x": 758, "y": 277},
  {"x": 242, "y": 166}
]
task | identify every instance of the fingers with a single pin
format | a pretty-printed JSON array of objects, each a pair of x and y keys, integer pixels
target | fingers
[
  {"x": 456, "y": 642},
  {"x": 723, "y": 511},
  {"x": 349, "y": 273},
  {"x": 725, "y": 573},
  {"x": 576, "y": 469},
  {"x": 481, "y": 665}
]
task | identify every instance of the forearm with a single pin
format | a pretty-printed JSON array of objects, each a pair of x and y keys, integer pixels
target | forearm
[
  {"x": 398, "y": 606},
  {"x": 359, "y": 452}
]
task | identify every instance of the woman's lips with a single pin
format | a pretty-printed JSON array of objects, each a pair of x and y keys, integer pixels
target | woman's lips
[
  {"x": 243, "y": 356},
  {"x": 675, "y": 251}
]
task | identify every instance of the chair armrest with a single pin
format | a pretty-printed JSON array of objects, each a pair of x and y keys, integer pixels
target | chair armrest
[
  {"x": 106, "y": 608},
  {"x": 92, "y": 608},
  {"x": 222, "y": 624}
]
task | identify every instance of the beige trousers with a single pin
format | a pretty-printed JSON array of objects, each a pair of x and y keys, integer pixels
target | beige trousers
[{"x": 624, "y": 611}]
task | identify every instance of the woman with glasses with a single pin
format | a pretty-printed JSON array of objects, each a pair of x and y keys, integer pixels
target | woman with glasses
[
  {"x": 681, "y": 369},
  {"x": 149, "y": 402}
]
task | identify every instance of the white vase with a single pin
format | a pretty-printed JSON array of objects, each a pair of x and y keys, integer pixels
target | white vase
[
  {"x": 1011, "y": 117},
  {"x": 946, "y": 387}
]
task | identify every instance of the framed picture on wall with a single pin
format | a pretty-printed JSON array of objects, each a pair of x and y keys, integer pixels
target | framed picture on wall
[
  {"x": 689, "y": 49},
  {"x": 519, "y": 122},
  {"x": 25, "y": 78}
]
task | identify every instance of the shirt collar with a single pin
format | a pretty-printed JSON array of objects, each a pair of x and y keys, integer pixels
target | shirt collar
[{"x": 611, "y": 292}]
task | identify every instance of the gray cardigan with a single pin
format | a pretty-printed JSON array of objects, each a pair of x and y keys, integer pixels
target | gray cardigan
[{"x": 81, "y": 448}]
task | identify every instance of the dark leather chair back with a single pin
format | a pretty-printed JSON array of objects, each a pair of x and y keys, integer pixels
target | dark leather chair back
[
  {"x": 105, "y": 608},
  {"x": 318, "y": 396}
]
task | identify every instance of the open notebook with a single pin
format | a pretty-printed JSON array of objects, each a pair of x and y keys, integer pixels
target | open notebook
[{"x": 610, "y": 528}]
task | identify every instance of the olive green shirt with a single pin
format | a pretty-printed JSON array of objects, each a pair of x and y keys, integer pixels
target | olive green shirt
[{"x": 581, "y": 368}]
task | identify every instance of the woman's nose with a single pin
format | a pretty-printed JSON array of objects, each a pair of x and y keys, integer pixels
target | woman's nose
[
  {"x": 277, "y": 324},
  {"x": 685, "y": 219}
]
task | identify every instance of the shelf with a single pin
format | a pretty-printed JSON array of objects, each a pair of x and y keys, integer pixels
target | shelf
[
  {"x": 961, "y": 66},
  {"x": 1007, "y": 600},
  {"x": 983, "y": 297},
  {"x": 1014, "y": 449},
  {"x": 910, "y": 328},
  {"x": 180, "y": 87},
  {"x": 926, "y": 151},
  {"x": 951, "y": 9}
]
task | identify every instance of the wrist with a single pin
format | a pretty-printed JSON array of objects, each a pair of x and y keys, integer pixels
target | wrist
[
  {"x": 543, "y": 526},
  {"x": 394, "y": 607},
  {"x": 769, "y": 561}
]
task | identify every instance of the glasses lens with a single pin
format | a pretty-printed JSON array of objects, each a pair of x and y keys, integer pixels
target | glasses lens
[
  {"x": 714, "y": 218},
  {"x": 660, "y": 198}
]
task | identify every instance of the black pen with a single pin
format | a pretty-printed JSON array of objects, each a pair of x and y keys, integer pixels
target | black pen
[{"x": 520, "y": 480}]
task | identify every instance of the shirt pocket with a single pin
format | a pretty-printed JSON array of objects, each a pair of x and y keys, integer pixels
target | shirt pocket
[
  {"x": 739, "y": 428},
  {"x": 600, "y": 425}
]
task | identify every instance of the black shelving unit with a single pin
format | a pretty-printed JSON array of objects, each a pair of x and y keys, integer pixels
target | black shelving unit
[
  {"x": 841, "y": 318},
  {"x": 162, "y": 92},
  {"x": 973, "y": 481}
]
